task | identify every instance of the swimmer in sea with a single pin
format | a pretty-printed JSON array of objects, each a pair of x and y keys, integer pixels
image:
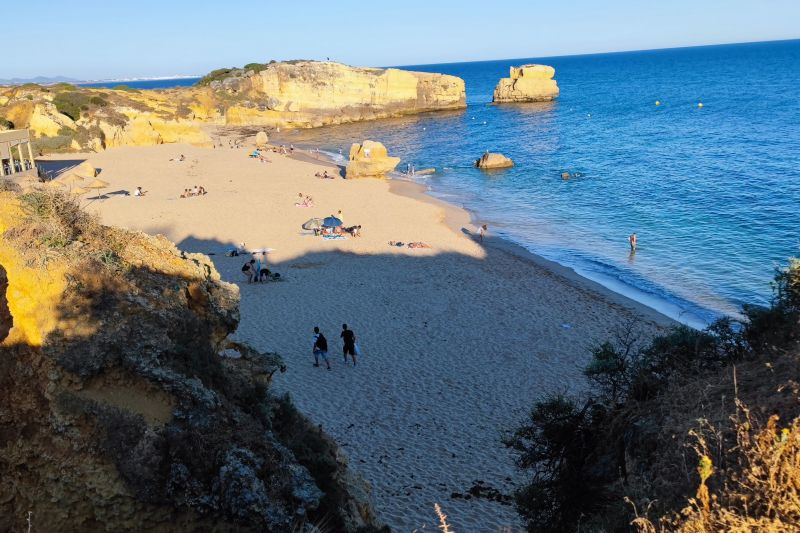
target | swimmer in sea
[{"x": 632, "y": 241}]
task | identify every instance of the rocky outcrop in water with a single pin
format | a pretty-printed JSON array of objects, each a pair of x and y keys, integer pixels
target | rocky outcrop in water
[
  {"x": 125, "y": 407},
  {"x": 489, "y": 161},
  {"x": 369, "y": 160},
  {"x": 527, "y": 83}
]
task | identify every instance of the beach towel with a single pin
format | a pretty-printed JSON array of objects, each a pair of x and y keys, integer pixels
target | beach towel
[{"x": 334, "y": 237}]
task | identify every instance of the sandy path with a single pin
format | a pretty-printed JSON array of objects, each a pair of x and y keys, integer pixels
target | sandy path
[{"x": 458, "y": 339}]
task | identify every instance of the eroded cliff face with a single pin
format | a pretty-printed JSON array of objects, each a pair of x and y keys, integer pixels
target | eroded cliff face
[
  {"x": 311, "y": 93},
  {"x": 118, "y": 409},
  {"x": 294, "y": 94},
  {"x": 527, "y": 83}
]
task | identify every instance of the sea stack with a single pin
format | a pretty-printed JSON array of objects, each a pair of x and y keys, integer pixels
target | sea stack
[
  {"x": 527, "y": 83},
  {"x": 369, "y": 160},
  {"x": 490, "y": 161}
]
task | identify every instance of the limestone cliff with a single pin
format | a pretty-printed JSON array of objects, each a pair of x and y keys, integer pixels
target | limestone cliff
[
  {"x": 311, "y": 93},
  {"x": 124, "y": 406},
  {"x": 292, "y": 94},
  {"x": 528, "y": 83}
]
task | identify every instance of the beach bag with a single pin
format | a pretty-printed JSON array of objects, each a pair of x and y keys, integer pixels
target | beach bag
[{"x": 245, "y": 267}]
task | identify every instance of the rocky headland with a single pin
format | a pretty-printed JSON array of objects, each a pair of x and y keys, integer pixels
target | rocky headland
[
  {"x": 527, "y": 83},
  {"x": 291, "y": 94},
  {"x": 125, "y": 406}
]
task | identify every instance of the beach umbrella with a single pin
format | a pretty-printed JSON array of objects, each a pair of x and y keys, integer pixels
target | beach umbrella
[
  {"x": 97, "y": 184},
  {"x": 72, "y": 178},
  {"x": 331, "y": 222},
  {"x": 313, "y": 223}
]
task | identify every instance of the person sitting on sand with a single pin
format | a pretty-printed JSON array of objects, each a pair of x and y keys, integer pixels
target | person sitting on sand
[
  {"x": 355, "y": 231},
  {"x": 195, "y": 191},
  {"x": 201, "y": 191},
  {"x": 249, "y": 270},
  {"x": 186, "y": 193},
  {"x": 139, "y": 192}
]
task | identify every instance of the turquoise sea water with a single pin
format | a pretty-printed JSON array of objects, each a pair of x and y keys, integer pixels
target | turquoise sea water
[{"x": 713, "y": 193}]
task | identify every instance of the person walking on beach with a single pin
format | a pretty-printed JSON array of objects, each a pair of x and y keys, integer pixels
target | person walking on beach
[
  {"x": 320, "y": 348},
  {"x": 632, "y": 241},
  {"x": 349, "y": 341},
  {"x": 482, "y": 231}
]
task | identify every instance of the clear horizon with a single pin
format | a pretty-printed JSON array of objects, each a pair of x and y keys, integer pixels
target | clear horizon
[{"x": 152, "y": 39}]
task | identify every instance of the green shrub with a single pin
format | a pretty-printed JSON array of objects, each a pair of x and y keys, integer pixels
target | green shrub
[
  {"x": 125, "y": 88},
  {"x": 215, "y": 75},
  {"x": 98, "y": 101},
  {"x": 256, "y": 67},
  {"x": 557, "y": 444},
  {"x": 71, "y": 103},
  {"x": 5, "y": 123}
]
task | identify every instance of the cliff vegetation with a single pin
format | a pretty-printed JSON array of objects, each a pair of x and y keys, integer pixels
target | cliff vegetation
[
  {"x": 697, "y": 431},
  {"x": 125, "y": 406}
]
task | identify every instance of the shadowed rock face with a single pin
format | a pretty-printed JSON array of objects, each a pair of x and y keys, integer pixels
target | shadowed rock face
[{"x": 119, "y": 411}]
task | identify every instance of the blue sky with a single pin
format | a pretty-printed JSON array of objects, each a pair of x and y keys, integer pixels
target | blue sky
[{"x": 92, "y": 39}]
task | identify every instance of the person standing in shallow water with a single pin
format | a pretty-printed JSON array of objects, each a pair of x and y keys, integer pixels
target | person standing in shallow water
[
  {"x": 349, "y": 341},
  {"x": 632, "y": 241},
  {"x": 482, "y": 231}
]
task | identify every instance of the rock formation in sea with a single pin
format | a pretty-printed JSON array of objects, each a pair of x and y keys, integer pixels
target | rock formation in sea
[
  {"x": 291, "y": 94},
  {"x": 369, "y": 159},
  {"x": 489, "y": 161},
  {"x": 527, "y": 83},
  {"x": 125, "y": 405}
]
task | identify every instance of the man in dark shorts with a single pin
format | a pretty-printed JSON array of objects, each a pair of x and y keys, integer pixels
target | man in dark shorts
[
  {"x": 349, "y": 340},
  {"x": 320, "y": 348}
]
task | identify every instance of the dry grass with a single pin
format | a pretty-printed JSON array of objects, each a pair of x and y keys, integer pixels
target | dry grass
[
  {"x": 759, "y": 488},
  {"x": 56, "y": 228}
]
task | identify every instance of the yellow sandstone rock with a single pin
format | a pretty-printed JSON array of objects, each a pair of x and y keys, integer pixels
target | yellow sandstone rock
[
  {"x": 369, "y": 160},
  {"x": 45, "y": 120},
  {"x": 527, "y": 83},
  {"x": 34, "y": 294},
  {"x": 489, "y": 161}
]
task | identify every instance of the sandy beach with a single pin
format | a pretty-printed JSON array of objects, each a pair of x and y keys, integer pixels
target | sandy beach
[{"x": 457, "y": 339}]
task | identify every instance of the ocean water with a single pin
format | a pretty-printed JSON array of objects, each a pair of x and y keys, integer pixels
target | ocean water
[
  {"x": 165, "y": 83},
  {"x": 712, "y": 192}
]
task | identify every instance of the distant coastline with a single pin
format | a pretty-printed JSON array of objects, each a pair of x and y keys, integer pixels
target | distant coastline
[{"x": 144, "y": 83}]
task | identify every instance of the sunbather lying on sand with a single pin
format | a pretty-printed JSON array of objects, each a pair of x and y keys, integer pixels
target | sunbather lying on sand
[
  {"x": 325, "y": 175},
  {"x": 417, "y": 244}
]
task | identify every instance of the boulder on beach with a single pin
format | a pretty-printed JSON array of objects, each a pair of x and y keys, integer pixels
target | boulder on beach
[
  {"x": 369, "y": 160},
  {"x": 527, "y": 83},
  {"x": 490, "y": 161},
  {"x": 261, "y": 140}
]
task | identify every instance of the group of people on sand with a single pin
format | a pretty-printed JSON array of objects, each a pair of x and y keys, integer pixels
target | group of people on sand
[
  {"x": 324, "y": 175},
  {"x": 256, "y": 270},
  {"x": 197, "y": 190},
  {"x": 259, "y": 154},
  {"x": 306, "y": 201},
  {"x": 320, "y": 347}
]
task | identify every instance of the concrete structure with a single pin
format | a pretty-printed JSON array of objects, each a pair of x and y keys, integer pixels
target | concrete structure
[{"x": 16, "y": 154}]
